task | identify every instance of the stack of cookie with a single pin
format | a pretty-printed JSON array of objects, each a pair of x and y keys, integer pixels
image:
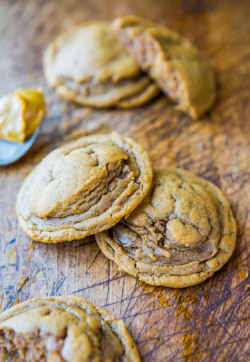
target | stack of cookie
[
  {"x": 125, "y": 63},
  {"x": 165, "y": 226}
]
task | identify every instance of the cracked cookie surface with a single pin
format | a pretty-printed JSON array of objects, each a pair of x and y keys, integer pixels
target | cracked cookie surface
[
  {"x": 83, "y": 187},
  {"x": 171, "y": 60},
  {"x": 181, "y": 233},
  {"x": 88, "y": 65},
  {"x": 64, "y": 329}
]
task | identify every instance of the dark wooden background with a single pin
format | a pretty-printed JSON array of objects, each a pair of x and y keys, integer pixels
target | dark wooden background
[{"x": 207, "y": 322}]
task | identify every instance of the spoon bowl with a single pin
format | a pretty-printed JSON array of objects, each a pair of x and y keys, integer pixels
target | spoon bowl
[{"x": 12, "y": 151}]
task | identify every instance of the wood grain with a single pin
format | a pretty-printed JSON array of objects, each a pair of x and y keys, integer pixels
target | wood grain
[{"x": 208, "y": 322}]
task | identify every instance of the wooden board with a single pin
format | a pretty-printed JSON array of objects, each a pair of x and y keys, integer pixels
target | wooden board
[{"x": 207, "y": 322}]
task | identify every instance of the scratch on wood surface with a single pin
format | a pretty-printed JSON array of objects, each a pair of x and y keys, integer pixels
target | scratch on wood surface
[
  {"x": 56, "y": 286},
  {"x": 13, "y": 295},
  {"x": 93, "y": 261}
]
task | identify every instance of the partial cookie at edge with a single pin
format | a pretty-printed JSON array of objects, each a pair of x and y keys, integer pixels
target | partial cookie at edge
[{"x": 62, "y": 328}]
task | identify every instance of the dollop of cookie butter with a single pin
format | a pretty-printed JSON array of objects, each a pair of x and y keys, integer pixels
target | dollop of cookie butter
[
  {"x": 83, "y": 187},
  {"x": 181, "y": 233},
  {"x": 21, "y": 112},
  {"x": 63, "y": 329}
]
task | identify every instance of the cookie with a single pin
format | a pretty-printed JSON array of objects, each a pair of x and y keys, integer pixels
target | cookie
[
  {"x": 83, "y": 187},
  {"x": 171, "y": 60},
  {"x": 180, "y": 235},
  {"x": 21, "y": 112},
  {"x": 88, "y": 65},
  {"x": 63, "y": 329}
]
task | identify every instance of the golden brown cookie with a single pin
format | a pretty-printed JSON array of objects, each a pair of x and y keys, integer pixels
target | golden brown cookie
[
  {"x": 171, "y": 60},
  {"x": 64, "y": 329},
  {"x": 88, "y": 65},
  {"x": 181, "y": 233},
  {"x": 83, "y": 187}
]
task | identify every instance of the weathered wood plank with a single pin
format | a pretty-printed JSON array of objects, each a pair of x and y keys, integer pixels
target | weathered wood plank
[{"x": 207, "y": 322}]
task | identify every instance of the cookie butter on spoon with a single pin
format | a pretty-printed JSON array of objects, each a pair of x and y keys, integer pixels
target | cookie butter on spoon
[
  {"x": 21, "y": 112},
  {"x": 67, "y": 328},
  {"x": 171, "y": 60},
  {"x": 180, "y": 235}
]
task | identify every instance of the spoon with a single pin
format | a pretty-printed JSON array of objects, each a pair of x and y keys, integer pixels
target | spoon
[{"x": 12, "y": 151}]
